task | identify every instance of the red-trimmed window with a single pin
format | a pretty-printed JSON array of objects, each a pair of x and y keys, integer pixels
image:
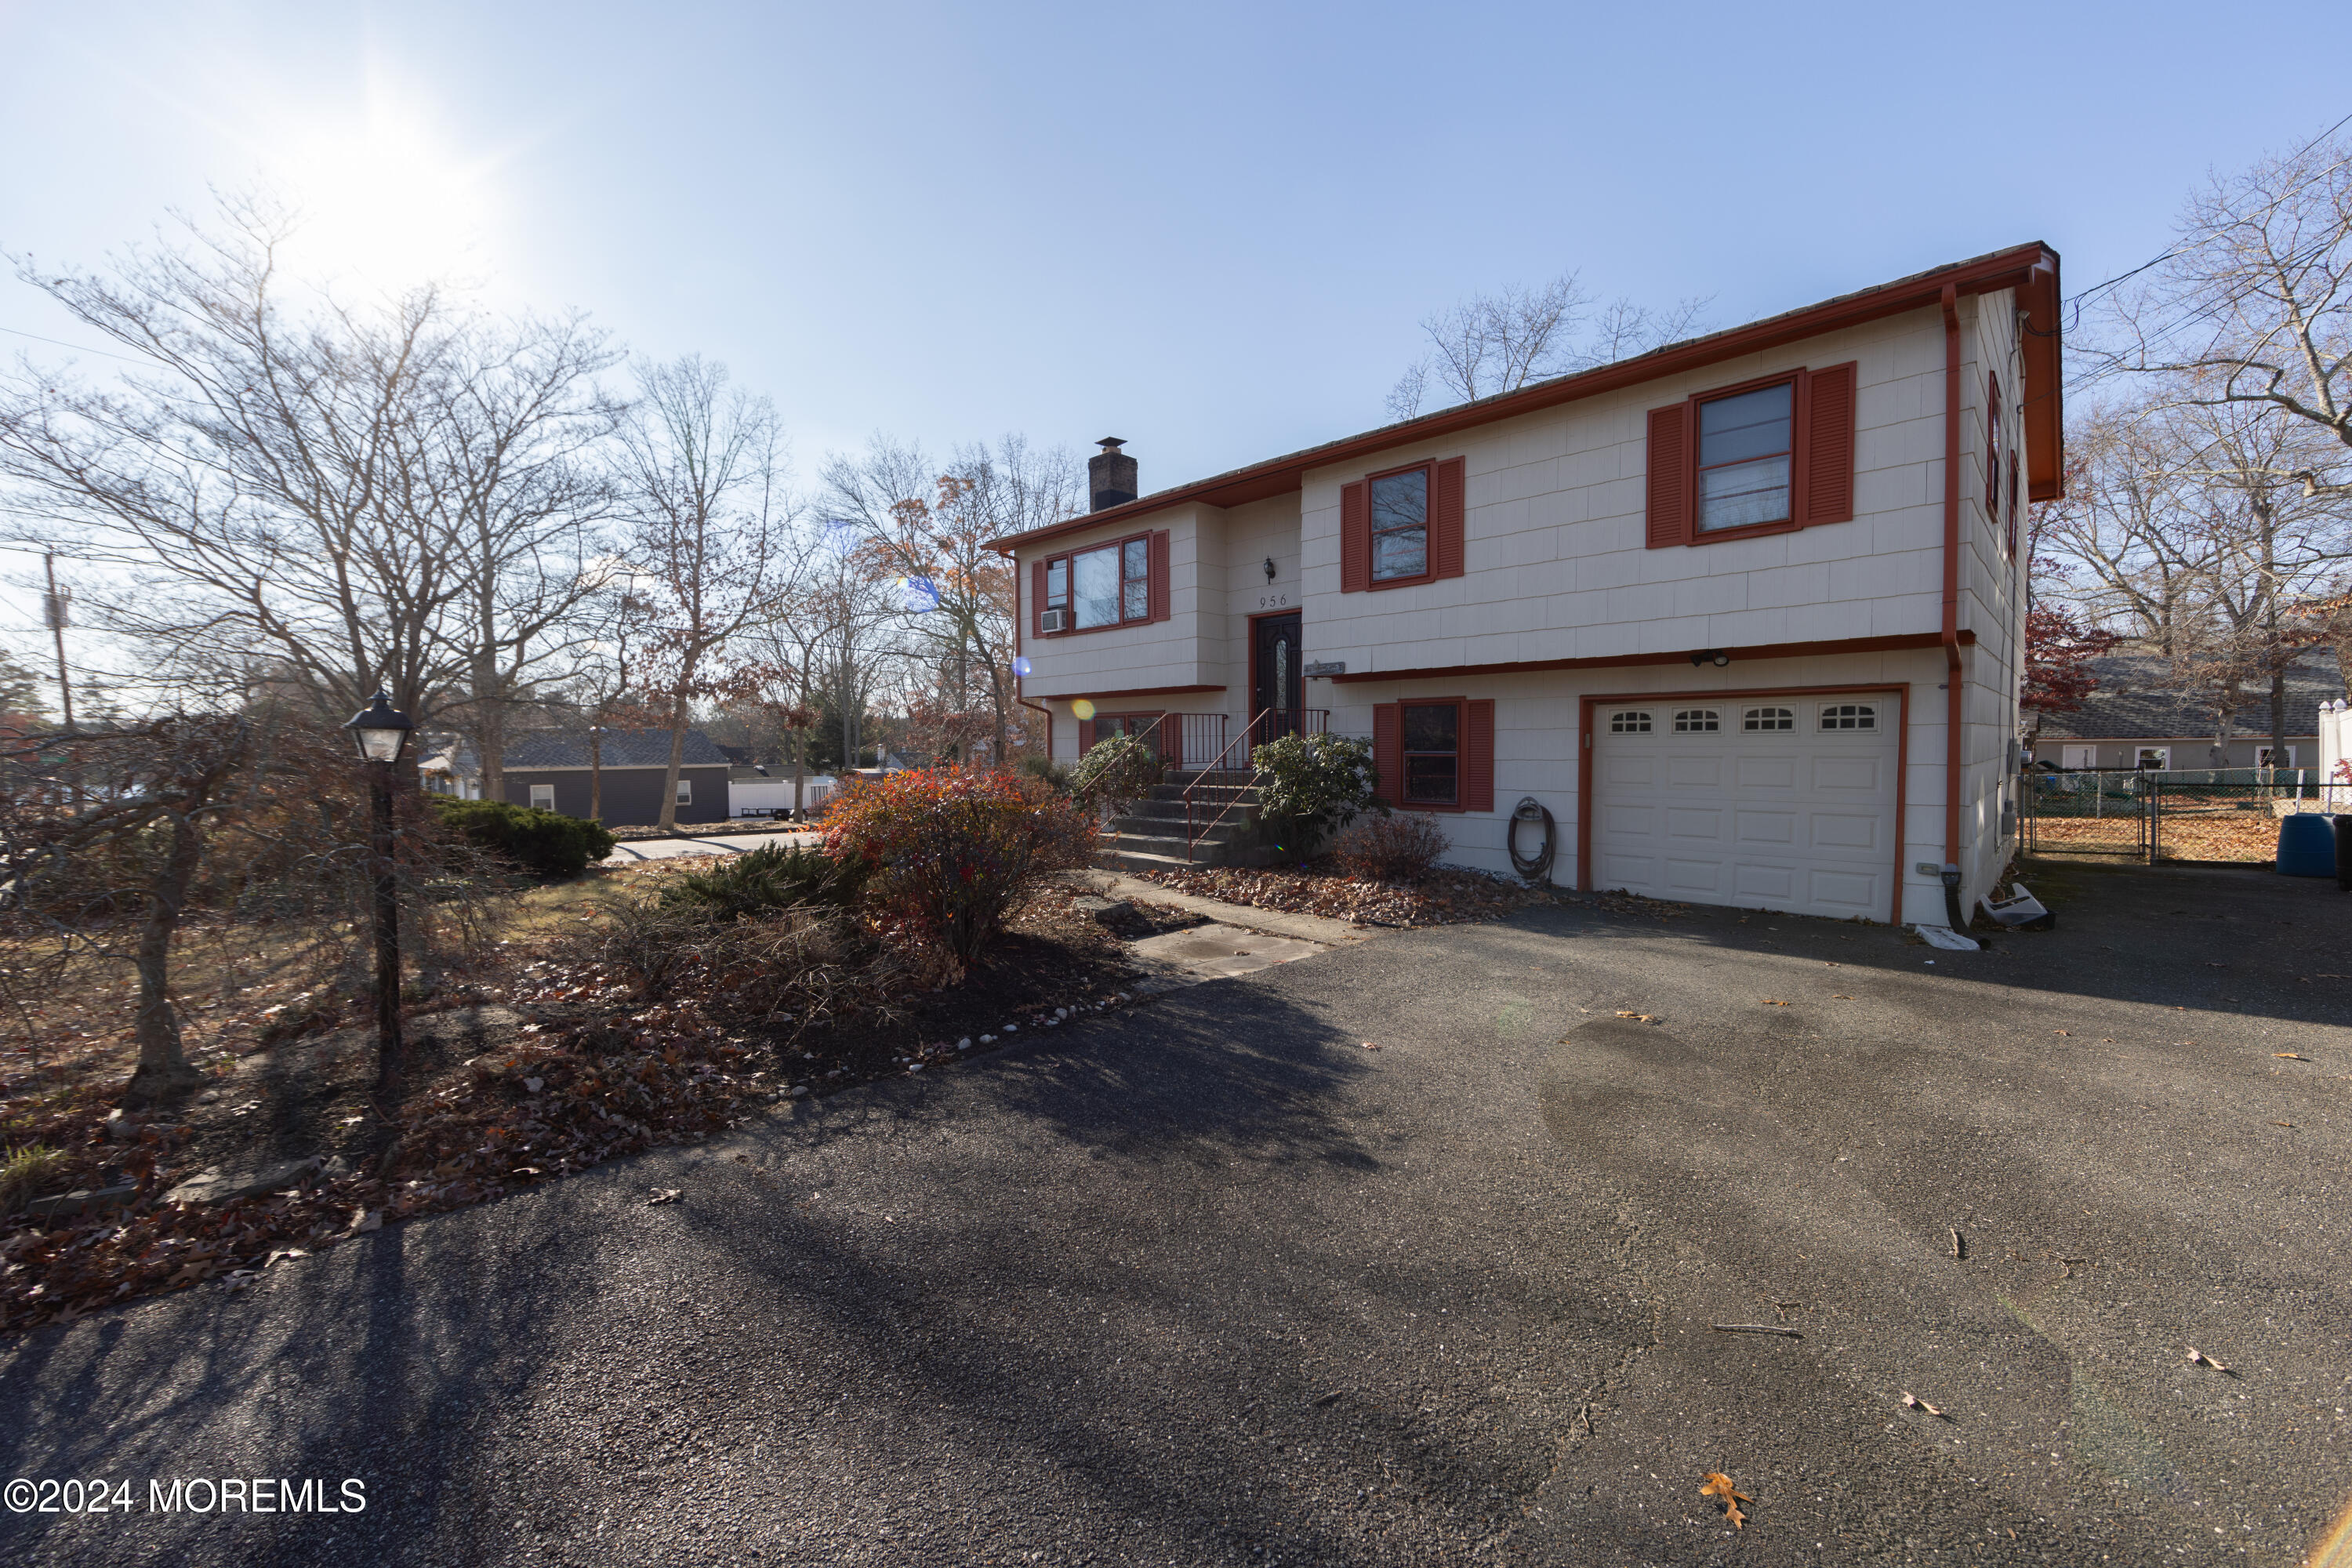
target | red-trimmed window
[
  {"x": 1435, "y": 754},
  {"x": 1992, "y": 450},
  {"x": 1120, "y": 584},
  {"x": 1761, "y": 456},
  {"x": 1402, "y": 526}
]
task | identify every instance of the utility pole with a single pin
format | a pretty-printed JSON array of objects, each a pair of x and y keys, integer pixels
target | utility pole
[{"x": 55, "y": 608}]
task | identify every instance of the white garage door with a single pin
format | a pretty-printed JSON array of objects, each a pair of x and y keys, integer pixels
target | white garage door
[{"x": 1775, "y": 802}]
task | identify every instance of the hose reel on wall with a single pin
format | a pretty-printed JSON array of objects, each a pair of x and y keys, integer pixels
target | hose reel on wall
[{"x": 1535, "y": 868}]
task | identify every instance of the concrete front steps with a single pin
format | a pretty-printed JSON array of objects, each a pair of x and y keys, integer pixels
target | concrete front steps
[{"x": 1151, "y": 836}]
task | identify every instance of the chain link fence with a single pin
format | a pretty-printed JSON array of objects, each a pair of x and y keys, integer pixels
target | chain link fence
[{"x": 2208, "y": 814}]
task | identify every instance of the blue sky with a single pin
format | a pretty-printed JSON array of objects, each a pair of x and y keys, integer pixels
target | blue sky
[{"x": 1209, "y": 230}]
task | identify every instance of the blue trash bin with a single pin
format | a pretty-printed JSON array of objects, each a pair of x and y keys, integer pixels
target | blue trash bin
[{"x": 2307, "y": 845}]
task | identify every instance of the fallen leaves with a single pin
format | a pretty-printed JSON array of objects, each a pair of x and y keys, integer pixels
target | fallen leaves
[
  {"x": 1447, "y": 897},
  {"x": 663, "y": 1195},
  {"x": 1913, "y": 1401},
  {"x": 1637, "y": 1018},
  {"x": 2198, "y": 1358},
  {"x": 1367, "y": 1044},
  {"x": 1718, "y": 1486},
  {"x": 1769, "y": 1002},
  {"x": 2290, "y": 1057},
  {"x": 1839, "y": 996}
]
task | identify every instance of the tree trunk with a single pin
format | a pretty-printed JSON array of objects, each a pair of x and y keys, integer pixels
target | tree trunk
[
  {"x": 490, "y": 726},
  {"x": 678, "y": 714},
  {"x": 2278, "y": 716},
  {"x": 163, "y": 1068}
]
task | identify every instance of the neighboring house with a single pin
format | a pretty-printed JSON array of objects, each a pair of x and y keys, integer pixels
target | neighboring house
[
  {"x": 2135, "y": 718},
  {"x": 550, "y": 770},
  {"x": 1744, "y": 613}
]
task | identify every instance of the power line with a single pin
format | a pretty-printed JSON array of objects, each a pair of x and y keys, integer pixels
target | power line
[
  {"x": 2170, "y": 251},
  {"x": 77, "y": 348}
]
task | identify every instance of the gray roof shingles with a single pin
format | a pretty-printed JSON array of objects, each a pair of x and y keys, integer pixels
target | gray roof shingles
[
  {"x": 623, "y": 749},
  {"x": 2134, "y": 700}
]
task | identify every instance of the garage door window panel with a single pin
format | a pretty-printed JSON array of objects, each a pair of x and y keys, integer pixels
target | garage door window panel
[
  {"x": 1760, "y": 721},
  {"x": 1697, "y": 722},
  {"x": 1859, "y": 718},
  {"x": 1630, "y": 723}
]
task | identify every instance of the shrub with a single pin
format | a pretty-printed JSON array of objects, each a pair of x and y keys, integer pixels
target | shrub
[
  {"x": 545, "y": 842},
  {"x": 1310, "y": 785},
  {"x": 1116, "y": 769},
  {"x": 1399, "y": 846},
  {"x": 948, "y": 856},
  {"x": 1048, "y": 771},
  {"x": 25, "y": 1172},
  {"x": 772, "y": 876}
]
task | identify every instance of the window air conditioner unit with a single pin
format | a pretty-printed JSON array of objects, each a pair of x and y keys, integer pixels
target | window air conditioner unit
[{"x": 1054, "y": 621}]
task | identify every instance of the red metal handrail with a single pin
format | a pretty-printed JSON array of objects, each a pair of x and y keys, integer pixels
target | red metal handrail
[{"x": 1192, "y": 838}]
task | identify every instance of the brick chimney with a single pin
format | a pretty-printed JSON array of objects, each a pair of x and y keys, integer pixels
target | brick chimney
[{"x": 1110, "y": 476}]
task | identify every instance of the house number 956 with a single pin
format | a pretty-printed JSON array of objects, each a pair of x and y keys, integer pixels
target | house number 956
[{"x": 1272, "y": 601}]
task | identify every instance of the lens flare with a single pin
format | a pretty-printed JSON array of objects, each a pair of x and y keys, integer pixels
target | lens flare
[{"x": 1083, "y": 709}]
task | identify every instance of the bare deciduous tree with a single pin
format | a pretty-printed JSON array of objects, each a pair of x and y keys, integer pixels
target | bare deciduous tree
[
  {"x": 2252, "y": 308},
  {"x": 703, "y": 477},
  {"x": 1494, "y": 344}
]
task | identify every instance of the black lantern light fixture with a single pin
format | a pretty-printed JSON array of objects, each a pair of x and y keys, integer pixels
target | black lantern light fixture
[
  {"x": 380, "y": 731},
  {"x": 1269, "y": 568}
]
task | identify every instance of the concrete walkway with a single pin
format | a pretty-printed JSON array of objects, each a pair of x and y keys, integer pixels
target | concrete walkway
[{"x": 632, "y": 851}]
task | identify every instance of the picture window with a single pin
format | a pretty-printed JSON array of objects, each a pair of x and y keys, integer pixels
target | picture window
[
  {"x": 1110, "y": 585},
  {"x": 1758, "y": 719}
]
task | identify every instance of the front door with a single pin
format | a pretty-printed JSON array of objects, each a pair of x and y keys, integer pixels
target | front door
[{"x": 1279, "y": 683}]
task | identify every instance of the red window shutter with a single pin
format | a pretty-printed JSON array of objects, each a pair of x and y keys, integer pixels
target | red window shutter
[
  {"x": 1670, "y": 476},
  {"x": 1037, "y": 599},
  {"x": 1159, "y": 574},
  {"x": 1387, "y": 752},
  {"x": 2012, "y": 501},
  {"x": 1829, "y": 446},
  {"x": 1478, "y": 754},
  {"x": 1446, "y": 502},
  {"x": 1355, "y": 538},
  {"x": 1085, "y": 736}
]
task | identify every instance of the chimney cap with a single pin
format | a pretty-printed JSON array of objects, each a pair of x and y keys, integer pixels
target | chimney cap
[{"x": 1111, "y": 443}]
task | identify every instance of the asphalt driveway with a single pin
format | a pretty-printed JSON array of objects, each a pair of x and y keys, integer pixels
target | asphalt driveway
[{"x": 1212, "y": 1283}]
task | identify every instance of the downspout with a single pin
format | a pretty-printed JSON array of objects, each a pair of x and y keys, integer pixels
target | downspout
[
  {"x": 1953, "y": 705},
  {"x": 1017, "y": 619}
]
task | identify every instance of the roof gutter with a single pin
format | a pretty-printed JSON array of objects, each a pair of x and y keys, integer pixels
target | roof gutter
[
  {"x": 2032, "y": 269},
  {"x": 1954, "y": 706}
]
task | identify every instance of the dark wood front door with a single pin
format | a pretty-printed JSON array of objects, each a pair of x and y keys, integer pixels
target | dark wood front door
[{"x": 1279, "y": 682}]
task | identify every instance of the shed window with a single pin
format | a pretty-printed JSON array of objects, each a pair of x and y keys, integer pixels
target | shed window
[
  {"x": 1849, "y": 716},
  {"x": 1744, "y": 446},
  {"x": 1697, "y": 722},
  {"x": 1756, "y": 719},
  {"x": 1631, "y": 723},
  {"x": 685, "y": 791},
  {"x": 543, "y": 796},
  {"x": 1432, "y": 752}
]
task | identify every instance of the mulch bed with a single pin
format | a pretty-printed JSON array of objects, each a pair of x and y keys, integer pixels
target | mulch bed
[
  {"x": 1445, "y": 897},
  {"x": 547, "y": 1072}
]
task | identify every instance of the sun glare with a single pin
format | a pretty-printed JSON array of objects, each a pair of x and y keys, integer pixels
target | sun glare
[{"x": 386, "y": 200}]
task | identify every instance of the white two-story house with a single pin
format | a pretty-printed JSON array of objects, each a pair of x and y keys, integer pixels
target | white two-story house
[{"x": 1744, "y": 614}]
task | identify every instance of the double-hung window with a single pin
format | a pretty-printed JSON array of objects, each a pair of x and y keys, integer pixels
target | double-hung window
[
  {"x": 1744, "y": 446},
  {"x": 1110, "y": 585},
  {"x": 1432, "y": 754},
  {"x": 1401, "y": 525}
]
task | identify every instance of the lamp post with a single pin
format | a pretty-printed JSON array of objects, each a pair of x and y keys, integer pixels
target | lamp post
[{"x": 381, "y": 734}]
